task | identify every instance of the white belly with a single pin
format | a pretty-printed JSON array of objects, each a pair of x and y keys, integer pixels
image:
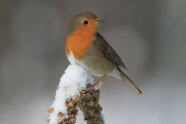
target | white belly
[{"x": 73, "y": 60}]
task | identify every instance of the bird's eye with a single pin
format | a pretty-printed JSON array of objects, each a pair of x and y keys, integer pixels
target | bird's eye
[{"x": 85, "y": 22}]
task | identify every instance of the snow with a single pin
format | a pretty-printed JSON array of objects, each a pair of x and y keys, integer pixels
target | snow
[
  {"x": 103, "y": 118},
  {"x": 71, "y": 83}
]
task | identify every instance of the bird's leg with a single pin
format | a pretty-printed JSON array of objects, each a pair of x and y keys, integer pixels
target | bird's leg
[
  {"x": 99, "y": 88},
  {"x": 99, "y": 80}
]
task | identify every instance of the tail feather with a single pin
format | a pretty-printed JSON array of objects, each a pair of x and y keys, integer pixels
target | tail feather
[{"x": 127, "y": 80}]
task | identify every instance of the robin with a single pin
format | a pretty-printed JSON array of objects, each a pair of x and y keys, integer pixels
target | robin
[{"x": 87, "y": 48}]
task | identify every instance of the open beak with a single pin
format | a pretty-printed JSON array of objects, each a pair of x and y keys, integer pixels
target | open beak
[{"x": 99, "y": 21}]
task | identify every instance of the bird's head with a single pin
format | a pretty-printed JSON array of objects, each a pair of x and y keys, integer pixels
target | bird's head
[{"x": 84, "y": 23}]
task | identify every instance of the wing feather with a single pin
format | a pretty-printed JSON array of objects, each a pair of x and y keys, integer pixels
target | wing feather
[{"x": 108, "y": 52}]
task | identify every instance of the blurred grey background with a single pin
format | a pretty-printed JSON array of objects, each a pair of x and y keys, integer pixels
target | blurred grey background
[{"x": 149, "y": 35}]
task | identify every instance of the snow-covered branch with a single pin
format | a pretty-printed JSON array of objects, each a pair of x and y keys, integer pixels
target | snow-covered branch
[{"x": 74, "y": 91}]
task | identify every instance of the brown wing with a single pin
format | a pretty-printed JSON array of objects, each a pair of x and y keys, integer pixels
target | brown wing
[{"x": 108, "y": 52}]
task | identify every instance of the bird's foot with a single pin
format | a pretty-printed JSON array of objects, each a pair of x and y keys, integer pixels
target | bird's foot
[
  {"x": 98, "y": 81},
  {"x": 99, "y": 87}
]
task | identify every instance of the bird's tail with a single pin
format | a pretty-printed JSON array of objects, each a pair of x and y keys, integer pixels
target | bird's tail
[{"x": 127, "y": 80}]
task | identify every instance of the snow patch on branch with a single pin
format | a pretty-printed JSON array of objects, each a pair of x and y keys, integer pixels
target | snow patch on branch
[{"x": 71, "y": 83}]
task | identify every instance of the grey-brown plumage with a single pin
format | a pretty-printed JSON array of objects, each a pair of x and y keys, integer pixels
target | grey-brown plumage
[
  {"x": 108, "y": 52},
  {"x": 100, "y": 59}
]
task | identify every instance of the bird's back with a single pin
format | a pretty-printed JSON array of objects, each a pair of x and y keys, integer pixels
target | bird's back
[{"x": 108, "y": 52}]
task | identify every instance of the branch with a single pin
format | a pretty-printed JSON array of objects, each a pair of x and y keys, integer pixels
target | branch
[
  {"x": 90, "y": 106},
  {"x": 64, "y": 109}
]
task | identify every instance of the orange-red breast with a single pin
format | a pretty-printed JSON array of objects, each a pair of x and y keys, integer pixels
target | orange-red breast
[{"x": 87, "y": 48}]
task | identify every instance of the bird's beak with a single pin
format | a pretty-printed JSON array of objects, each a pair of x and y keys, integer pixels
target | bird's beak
[{"x": 99, "y": 21}]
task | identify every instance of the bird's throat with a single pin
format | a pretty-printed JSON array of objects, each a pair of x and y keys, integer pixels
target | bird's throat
[{"x": 79, "y": 43}]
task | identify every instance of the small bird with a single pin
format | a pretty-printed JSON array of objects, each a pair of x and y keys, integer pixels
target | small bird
[{"x": 87, "y": 48}]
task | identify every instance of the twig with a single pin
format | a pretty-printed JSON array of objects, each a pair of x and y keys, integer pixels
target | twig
[
  {"x": 88, "y": 103},
  {"x": 90, "y": 106},
  {"x": 74, "y": 91}
]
